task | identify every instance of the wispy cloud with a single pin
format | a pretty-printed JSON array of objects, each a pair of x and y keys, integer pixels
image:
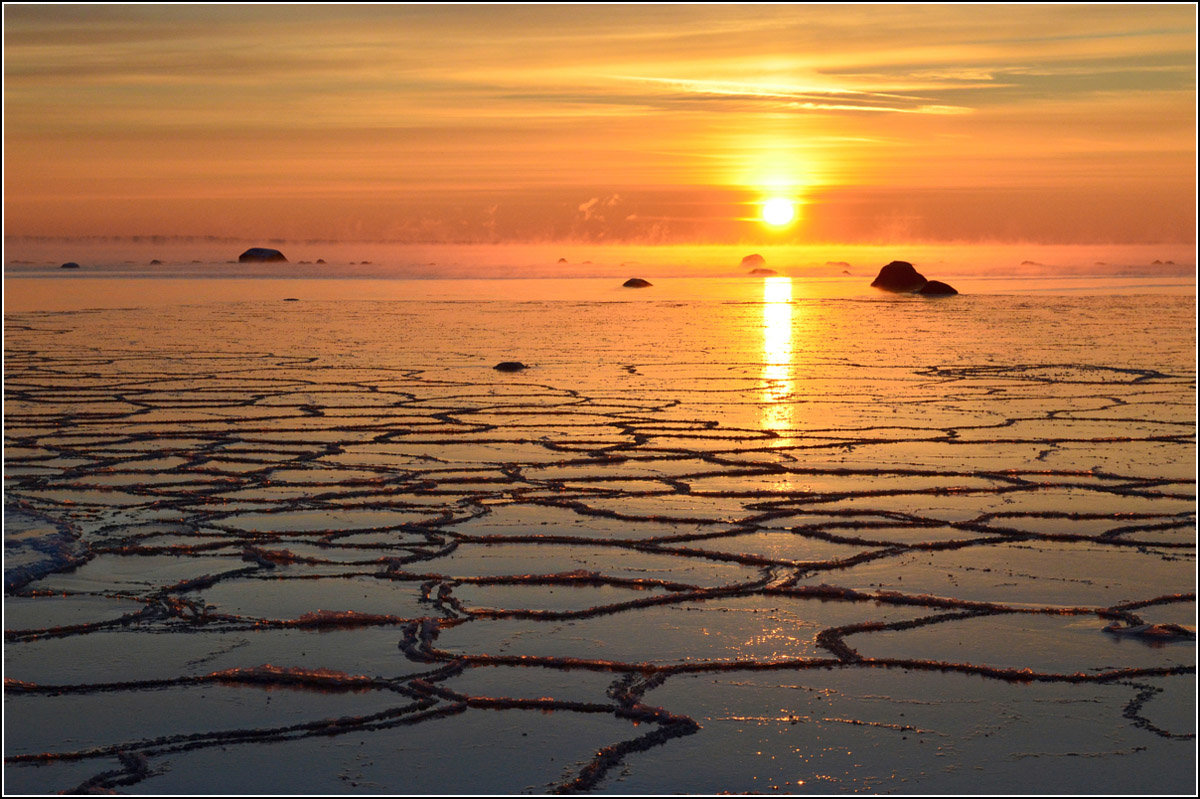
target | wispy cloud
[{"x": 793, "y": 98}]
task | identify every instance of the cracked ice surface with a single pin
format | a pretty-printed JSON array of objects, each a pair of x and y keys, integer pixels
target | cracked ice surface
[{"x": 812, "y": 544}]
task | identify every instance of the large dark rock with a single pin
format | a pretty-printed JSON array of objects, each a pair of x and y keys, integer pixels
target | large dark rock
[
  {"x": 261, "y": 254},
  {"x": 509, "y": 366},
  {"x": 763, "y": 272},
  {"x": 899, "y": 276},
  {"x": 754, "y": 260},
  {"x": 636, "y": 283},
  {"x": 936, "y": 288},
  {"x": 69, "y": 265}
]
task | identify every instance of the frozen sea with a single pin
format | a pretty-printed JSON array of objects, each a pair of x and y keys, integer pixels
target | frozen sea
[{"x": 780, "y": 534}]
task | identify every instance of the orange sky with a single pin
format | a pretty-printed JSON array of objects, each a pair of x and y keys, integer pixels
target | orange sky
[{"x": 656, "y": 124}]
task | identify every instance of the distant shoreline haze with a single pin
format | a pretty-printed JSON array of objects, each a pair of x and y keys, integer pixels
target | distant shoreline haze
[{"x": 199, "y": 256}]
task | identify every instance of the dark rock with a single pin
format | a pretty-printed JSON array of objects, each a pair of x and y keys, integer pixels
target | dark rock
[
  {"x": 763, "y": 272},
  {"x": 1152, "y": 632},
  {"x": 320, "y": 260},
  {"x": 936, "y": 288},
  {"x": 155, "y": 262},
  {"x": 69, "y": 265},
  {"x": 291, "y": 299},
  {"x": 562, "y": 260},
  {"x": 754, "y": 260},
  {"x": 845, "y": 272},
  {"x": 636, "y": 283},
  {"x": 509, "y": 366},
  {"x": 261, "y": 254},
  {"x": 899, "y": 276}
]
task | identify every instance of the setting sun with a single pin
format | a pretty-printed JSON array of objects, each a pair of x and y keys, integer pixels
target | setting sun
[{"x": 778, "y": 211}]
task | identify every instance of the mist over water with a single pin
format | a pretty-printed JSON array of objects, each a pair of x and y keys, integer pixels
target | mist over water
[{"x": 209, "y": 257}]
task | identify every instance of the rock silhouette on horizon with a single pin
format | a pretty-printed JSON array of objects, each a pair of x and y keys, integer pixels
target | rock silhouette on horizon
[
  {"x": 636, "y": 283},
  {"x": 936, "y": 288},
  {"x": 69, "y": 265},
  {"x": 762, "y": 272},
  {"x": 509, "y": 366},
  {"x": 261, "y": 255},
  {"x": 754, "y": 260},
  {"x": 899, "y": 276}
]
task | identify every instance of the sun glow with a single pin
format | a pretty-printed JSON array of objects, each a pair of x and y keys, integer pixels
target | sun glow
[{"x": 778, "y": 211}]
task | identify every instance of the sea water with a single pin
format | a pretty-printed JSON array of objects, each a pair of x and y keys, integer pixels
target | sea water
[{"x": 721, "y": 534}]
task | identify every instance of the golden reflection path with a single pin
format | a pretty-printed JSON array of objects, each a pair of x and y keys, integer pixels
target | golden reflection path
[{"x": 778, "y": 383}]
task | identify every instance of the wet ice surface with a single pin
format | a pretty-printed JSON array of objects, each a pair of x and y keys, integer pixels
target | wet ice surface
[{"x": 736, "y": 543}]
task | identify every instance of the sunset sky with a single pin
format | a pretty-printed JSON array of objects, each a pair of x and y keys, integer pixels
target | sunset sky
[{"x": 636, "y": 123}]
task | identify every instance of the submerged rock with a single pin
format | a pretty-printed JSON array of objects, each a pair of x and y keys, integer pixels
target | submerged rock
[
  {"x": 936, "y": 288},
  {"x": 509, "y": 366},
  {"x": 754, "y": 260},
  {"x": 69, "y": 265},
  {"x": 155, "y": 262},
  {"x": 1153, "y": 632},
  {"x": 636, "y": 283},
  {"x": 899, "y": 276},
  {"x": 763, "y": 272},
  {"x": 261, "y": 254}
]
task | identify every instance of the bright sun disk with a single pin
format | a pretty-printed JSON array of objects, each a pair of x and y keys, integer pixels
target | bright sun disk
[{"x": 778, "y": 211}]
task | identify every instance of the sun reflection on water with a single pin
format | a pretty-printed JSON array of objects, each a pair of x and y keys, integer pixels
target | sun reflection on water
[{"x": 778, "y": 384}]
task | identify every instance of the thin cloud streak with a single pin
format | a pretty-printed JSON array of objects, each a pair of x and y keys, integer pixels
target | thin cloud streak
[{"x": 807, "y": 99}]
